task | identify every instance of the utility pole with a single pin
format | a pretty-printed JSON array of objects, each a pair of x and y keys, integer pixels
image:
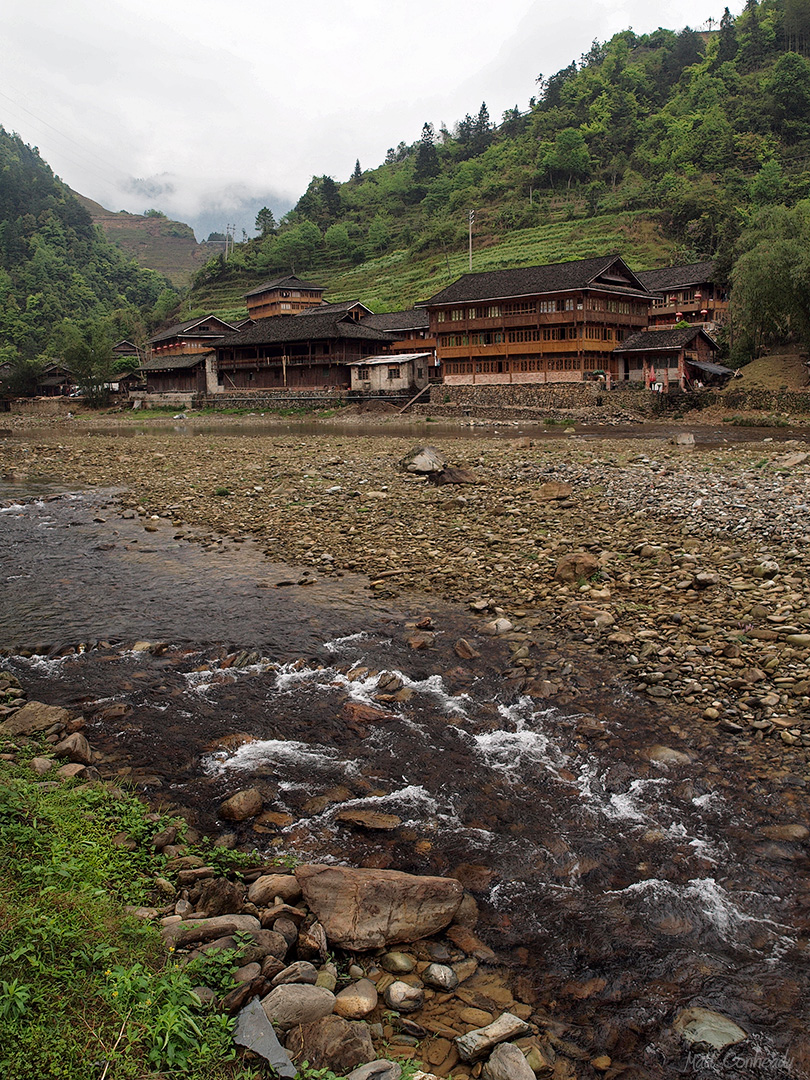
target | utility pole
[{"x": 472, "y": 219}]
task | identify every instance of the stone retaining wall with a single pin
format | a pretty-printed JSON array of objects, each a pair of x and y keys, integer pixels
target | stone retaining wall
[{"x": 505, "y": 402}]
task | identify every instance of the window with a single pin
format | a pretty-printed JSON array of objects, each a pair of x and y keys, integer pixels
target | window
[
  {"x": 441, "y": 316},
  {"x": 546, "y": 306},
  {"x": 364, "y": 374},
  {"x": 393, "y": 373},
  {"x": 456, "y": 314}
]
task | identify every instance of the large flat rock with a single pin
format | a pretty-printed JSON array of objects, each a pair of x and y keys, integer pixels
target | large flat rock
[{"x": 366, "y": 909}]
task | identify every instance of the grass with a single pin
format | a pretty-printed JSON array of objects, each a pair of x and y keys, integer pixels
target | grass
[
  {"x": 769, "y": 421},
  {"x": 86, "y": 990}
]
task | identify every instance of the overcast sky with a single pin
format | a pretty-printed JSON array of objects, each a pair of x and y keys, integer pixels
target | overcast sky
[{"x": 206, "y": 110}]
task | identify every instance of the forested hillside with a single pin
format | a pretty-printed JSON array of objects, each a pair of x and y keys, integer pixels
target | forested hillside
[
  {"x": 56, "y": 270},
  {"x": 668, "y": 146}
]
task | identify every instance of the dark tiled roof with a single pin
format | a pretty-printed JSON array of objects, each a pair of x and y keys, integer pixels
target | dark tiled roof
[
  {"x": 188, "y": 327},
  {"x": 677, "y": 277},
  {"x": 174, "y": 363},
  {"x": 415, "y": 319},
  {"x": 312, "y": 325},
  {"x": 288, "y": 281},
  {"x": 343, "y": 305},
  {"x": 652, "y": 340},
  {"x": 535, "y": 280}
]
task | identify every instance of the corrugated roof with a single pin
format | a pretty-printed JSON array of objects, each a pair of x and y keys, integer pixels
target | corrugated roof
[
  {"x": 535, "y": 280},
  {"x": 677, "y": 277},
  {"x": 287, "y": 281},
  {"x": 313, "y": 325},
  {"x": 391, "y": 358}
]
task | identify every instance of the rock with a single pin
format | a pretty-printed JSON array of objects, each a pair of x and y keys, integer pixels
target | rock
[
  {"x": 440, "y": 977},
  {"x": 424, "y": 460},
  {"x": 465, "y": 651},
  {"x": 507, "y": 1063},
  {"x": 497, "y": 627},
  {"x": 35, "y": 716},
  {"x": 469, "y": 943},
  {"x": 698, "y": 1025},
  {"x": 265, "y": 889},
  {"x": 292, "y": 1004},
  {"x": 357, "y": 1000},
  {"x": 74, "y": 769},
  {"x": 403, "y": 997},
  {"x": 299, "y": 972},
  {"x": 377, "y": 1070},
  {"x": 221, "y": 897},
  {"x": 790, "y": 833},
  {"x": 243, "y": 805},
  {"x": 453, "y": 475},
  {"x": 666, "y": 755},
  {"x": 684, "y": 438},
  {"x": 248, "y": 972},
  {"x": 398, "y": 963},
  {"x": 332, "y": 1043},
  {"x": 75, "y": 747},
  {"x": 193, "y": 931},
  {"x": 478, "y": 1043},
  {"x": 369, "y": 819},
  {"x": 580, "y": 566},
  {"x": 553, "y": 490},
  {"x": 42, "y": 765},
  {"x": 254, "y": 1031},
  {"x": 312, "y": 942},
  {"x": 367, "y": 909}
]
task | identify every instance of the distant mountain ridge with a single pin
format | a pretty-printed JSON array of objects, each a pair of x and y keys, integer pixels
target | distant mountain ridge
[{"x": 153, "y": 241}]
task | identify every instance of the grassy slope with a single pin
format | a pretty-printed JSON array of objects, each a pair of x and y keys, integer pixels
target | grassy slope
[
  {"x": 782, "y": 370},
  {"x": 401, "y": 278}
]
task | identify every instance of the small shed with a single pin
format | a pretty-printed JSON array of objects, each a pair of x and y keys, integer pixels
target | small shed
[{"x": 392, "y": 373}]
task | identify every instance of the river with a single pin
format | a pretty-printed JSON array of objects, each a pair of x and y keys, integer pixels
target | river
[{"x": 626, "y": 865}]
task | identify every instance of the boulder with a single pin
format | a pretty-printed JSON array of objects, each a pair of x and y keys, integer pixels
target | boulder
[
  {"x": 507, "y": 1063},
  {"x": 480, "y": 1042},
  {"x": 357, "y": 1001},
  {"x": 265, "y": 889},
  {"x": 35, "y": 716},
  {"x": 453, "y": 475},
  {"x": 579, "y": 566},
  {"x": 243, "y": 805},
  {"x": 75, "y": 748},
  {"x": 424, "y": 460},
  {"x": 293, "y": 1003},
  {"x": 332, "y": 1043},
  {"x": 299, "y": 972},
  {"x": 181, "y": 933},
  {"x": 711, "y": 1028},
  {"x": 402, "y": 997},
  {"x": 221, "y": 897},
  {"x": 367, "y": 909}
]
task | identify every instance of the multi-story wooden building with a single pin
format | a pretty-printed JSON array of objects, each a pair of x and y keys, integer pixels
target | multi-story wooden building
[
  {"x": 189, "y": 338},
  {"x": 681, "y": 358},
  {"x": 311, "y": 351},
  {"x": 689, "y": 293},
  {"x": 537, "y": 324},
  {"x": 287, "y": 295},
  {"x": 411, "y": 329}
]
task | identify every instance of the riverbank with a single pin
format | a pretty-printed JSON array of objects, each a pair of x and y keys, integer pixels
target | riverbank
[{"x": 692, "y": 571}]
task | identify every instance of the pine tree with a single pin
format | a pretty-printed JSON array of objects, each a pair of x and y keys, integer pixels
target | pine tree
[
  {"x": 727, "y": 49},
  {"x": 427, "y": 160},
  {"x": 358, "y": 172}
]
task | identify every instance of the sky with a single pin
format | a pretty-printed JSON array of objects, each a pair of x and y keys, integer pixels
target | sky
[{"x": 209, "y": 110}]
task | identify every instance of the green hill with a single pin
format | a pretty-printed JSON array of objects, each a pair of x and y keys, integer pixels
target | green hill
[
  {"x": 55, "y": 267},
  {"x": 663, "y": 147}
]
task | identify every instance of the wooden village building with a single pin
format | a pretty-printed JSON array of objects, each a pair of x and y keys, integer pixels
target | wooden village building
[
  {"x": 287, "y": 295},
  {"x": 410, "y": 329},
  {"x": 538, "y": 324},
  {"x": 178, "y": 357},
  {"x": 310, "y": 351},
  {"x": 689, "y": 293},
  {"x": 676, "y": 359}
]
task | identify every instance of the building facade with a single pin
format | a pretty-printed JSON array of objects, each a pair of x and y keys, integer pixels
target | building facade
[
  {"x": 538, "y": 324},
  {"x": 678, "y": 359},
  {"x": 689, "y": 293},
  {"x": 287, "y": 295}
]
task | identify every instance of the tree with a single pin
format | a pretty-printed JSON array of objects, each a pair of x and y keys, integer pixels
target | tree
[
  {"x": 427, "y": 160},
  {"x": 215, "y": 236},
  {"x": 358, "y": 172},
  {"x": 771, "y": 277},
  {"x": 154, "y": 213},
  {"x": 87, "y": 351},
  {"x": 727, "y": 47},
  {"x": 265, "y": 222},
  {"x": 331, "y": 196},
  {"x": 567, "y": 156}
]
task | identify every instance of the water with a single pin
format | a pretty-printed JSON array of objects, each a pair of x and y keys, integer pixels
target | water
[{"x": 621, "y": 889}]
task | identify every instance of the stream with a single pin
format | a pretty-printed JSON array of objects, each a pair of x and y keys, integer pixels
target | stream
[{"x": 625, "y": 866}]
